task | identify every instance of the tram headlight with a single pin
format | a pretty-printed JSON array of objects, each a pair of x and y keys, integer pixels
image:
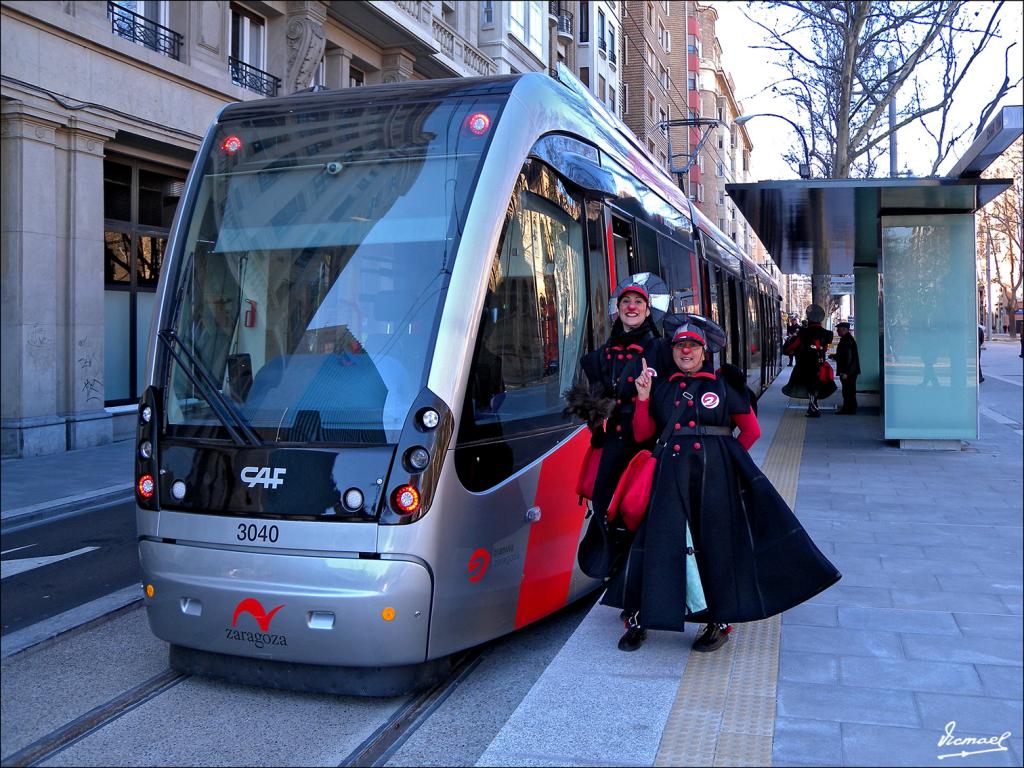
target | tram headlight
[
  {"x": 147, "y": 414},
  {"x": 429, "y": 418},
  {"x": 353, "y": 500},
  {"x": 417, "y": 458},
  {"x": 146, "y": 449},
  {"x": 406, "y": 499}
]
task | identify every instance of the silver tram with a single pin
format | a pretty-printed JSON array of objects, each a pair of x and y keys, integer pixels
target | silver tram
[{"x": 351, "y": 456}]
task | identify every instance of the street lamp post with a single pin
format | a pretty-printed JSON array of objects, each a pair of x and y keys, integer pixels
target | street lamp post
[{"x": 805, "y": 168}]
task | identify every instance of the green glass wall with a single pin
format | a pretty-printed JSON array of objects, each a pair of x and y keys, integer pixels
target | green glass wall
[
  {"x": 929, "y": 327},
  {"x": 865, "y": 302}
]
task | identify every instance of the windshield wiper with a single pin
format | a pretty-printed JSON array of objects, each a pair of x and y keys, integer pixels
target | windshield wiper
[{"x": 220, "y": 405}]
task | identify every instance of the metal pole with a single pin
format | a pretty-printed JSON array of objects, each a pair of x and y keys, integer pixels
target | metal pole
[
  {"x": 893, "y": 169},
  {"x": 989, "y": 320}
]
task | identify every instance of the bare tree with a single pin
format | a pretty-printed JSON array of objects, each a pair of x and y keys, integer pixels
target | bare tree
[
  {"x": 1001, "y": 223},
  {"x": 846, "y": 62}
]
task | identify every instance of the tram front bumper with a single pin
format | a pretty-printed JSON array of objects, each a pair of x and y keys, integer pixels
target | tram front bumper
[{"x": 316, "y": 610}]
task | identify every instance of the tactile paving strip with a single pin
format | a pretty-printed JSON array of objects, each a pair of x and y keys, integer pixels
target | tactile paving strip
[{"x": 724, "y": 712}]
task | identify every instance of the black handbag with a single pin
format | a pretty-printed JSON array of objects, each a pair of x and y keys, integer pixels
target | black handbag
[{"x": 595, "y": 552}]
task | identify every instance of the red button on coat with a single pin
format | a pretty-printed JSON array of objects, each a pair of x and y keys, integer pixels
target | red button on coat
[
  {"x": 689, "y": 404},
  {"x": 618, "y": 427},
  {"x": 629, "y": 357},
  {"x": 675, "y": 447},
  {"x": 693, "y": 423},
  {"x": 697, "y": 446},
  {"x": 630, "y": 379},
  {"x": 620, "y": 357},
  {"x": 679, "y": 427},
  {"x": 677, "y": 402}
]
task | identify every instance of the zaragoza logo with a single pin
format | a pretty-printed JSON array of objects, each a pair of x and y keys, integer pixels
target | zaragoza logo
[
  {"x": 709, "y": 400},
  {"x": 478, "y": 563},
  {"x": 252, "y": 606}
]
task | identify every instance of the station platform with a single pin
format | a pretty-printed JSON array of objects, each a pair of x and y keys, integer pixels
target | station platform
[{"x": 920, "y": 640}]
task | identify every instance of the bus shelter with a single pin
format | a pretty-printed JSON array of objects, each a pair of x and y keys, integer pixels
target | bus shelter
[{"x": 910, "y": 245}]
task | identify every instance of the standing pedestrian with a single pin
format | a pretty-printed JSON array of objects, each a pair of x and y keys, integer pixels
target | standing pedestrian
[
  {"x": 809, "y": 378},
  {"x": 791, "y": 330},
  {"x": 607, "y": 405},
  {"x": 753, "y": 557},
  {"x": 848, "y": 367}
]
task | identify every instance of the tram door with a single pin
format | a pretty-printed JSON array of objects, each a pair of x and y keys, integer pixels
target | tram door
[
  {"x": 623, "y": 246},
  {"x": 737, "y": 324}
]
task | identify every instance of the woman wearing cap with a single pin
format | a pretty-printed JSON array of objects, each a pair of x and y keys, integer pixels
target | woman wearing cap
[
  {"x": 753, "y": 557},
  {"x": 611, "y": 371},
  {"x": 809, "y": 346}
]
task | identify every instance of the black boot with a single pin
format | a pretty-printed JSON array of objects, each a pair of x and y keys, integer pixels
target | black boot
[
  {"x": 635, "y": 634},
  {"x": 713, "y": 637}
]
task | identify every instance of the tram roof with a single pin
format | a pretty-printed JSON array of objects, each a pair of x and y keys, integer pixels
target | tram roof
[{"x": 839, "y": 217}]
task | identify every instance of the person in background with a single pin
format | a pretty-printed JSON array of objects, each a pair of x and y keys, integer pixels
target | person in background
[
  {"x": 809, "y": 346},
  {"x": 791, "y": 330},
  {"x": 753, "y": 558},
  {"x": 848, "y": 367}
]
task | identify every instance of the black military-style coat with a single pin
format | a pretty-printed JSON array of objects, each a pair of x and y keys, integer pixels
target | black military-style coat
[
  {"x": 809, "y": 354},
  {"x": 614, "y": 368},
  {"x": 754, "y": 557},
  {"x": 847, "y": 357}
]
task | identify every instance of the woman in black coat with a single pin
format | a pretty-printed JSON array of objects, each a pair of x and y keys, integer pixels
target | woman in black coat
[
  {"x": 611, "y": 371},
  {"x": 809, "y": 346},
  {"x": 753, "y": 557}
]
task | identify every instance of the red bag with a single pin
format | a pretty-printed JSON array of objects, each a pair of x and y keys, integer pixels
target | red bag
[
  {"x": 588, "y": 473},
  {"x": 825, "y": 373},
  {"x": 633, "y": 493}
]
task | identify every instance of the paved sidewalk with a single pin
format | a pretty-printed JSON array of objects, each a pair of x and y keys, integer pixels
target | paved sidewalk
[
  {"x": 924, "y": 629},
  {"x": 38, "y": 485}
]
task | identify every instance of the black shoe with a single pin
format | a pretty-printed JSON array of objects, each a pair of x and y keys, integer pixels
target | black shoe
[
  {"x": 712, "y": 638},
  {"x": 813, "y": 414},
  {"x": 632, "y": 639}
]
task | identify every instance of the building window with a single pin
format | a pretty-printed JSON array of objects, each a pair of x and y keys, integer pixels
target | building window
[
  {"x": 650, "y": 105},
  {"x": 691, "y": 81},
  {"x": 526, "y": 22},
  {"x": 650, "y": 13},
  {"x": 602, "y": 42},
  {"x": 693, "y": 44},
  {"x": 601, "y": 88},
  {"x": 487, "y": 14},
  {"x": 663, "y": 121},
  {"x": 611, "y": 99},
  {"x": 585, "y": 76},
  {"x": 721, "y": 197},
  {"x": 625, "y": 98},
  {"x": 356, "y": 77},
  {"x": 584, "y": 22},
  {"x": 320, "y": 73},
  {"x": 700, "y": 162},
  {"x": 721, "y": 141},
  {"x": 249, "y": 52},
  {"x": 612, "y": 55},
  {"x": 650, "y": 147},
  {"x": 663, "y": 77},
  {"x": 721, "y": 170},
  {"x": 139, "y": 201},
  {"x": 145, "y": 22}
]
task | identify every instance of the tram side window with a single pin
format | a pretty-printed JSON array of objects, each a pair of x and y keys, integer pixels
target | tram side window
[
  {"x": 534, "y": 326},
  {"x": 675, "y": 268},
  {"x": 647, "y": 250}
]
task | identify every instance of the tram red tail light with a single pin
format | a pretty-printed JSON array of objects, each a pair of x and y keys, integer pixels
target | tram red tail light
[
  {"x": 231, "y": 145},
  {"x": 406, "y": 499},
  {"x": 478, "y": 123},
  {"x": 146, "y": 486}
]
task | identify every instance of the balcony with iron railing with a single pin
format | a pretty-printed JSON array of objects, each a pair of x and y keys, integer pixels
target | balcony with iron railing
[
  {"x": 612, "y": 58},
  {"x": 602, "y": 44},
  {"x": 253, "y": 79},
  {"x": 138, "y": 29},
  {"x": 564, "y": 20}
]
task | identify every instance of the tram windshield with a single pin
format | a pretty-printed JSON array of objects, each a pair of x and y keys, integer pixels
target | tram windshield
[{"x": 314, "y": 263}]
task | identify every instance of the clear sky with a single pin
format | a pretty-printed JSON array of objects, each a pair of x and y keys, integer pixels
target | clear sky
[{"x": 772, "y": 137}]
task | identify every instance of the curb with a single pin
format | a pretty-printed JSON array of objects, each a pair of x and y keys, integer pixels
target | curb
[{"x": 66, "y": 506}]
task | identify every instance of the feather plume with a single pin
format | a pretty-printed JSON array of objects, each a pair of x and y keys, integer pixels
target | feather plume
[{"x": 591, "y": 406}]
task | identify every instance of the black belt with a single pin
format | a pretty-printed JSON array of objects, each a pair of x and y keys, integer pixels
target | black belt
[{"x": 724, "y": 431}]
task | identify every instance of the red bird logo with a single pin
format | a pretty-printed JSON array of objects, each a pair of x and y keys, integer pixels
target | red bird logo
[
  {"x": 252, "y": 605},
  {"x": 478, "y": 563}
]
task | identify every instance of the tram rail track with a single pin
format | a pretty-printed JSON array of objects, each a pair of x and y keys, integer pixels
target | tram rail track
[{"x": 46, "y": 746}]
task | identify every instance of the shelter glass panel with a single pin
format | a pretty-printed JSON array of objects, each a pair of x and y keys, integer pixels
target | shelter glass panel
[{"x": 929, "y": 319}]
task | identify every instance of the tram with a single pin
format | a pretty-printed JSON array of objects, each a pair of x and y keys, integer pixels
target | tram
[{"x": 351, "y": 458}]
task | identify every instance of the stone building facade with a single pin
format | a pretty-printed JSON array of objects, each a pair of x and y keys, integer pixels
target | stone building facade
[{"x": 103, "y": 106}]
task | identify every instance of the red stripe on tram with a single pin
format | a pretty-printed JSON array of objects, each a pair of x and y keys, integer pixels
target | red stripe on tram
[{"x": 551, "y": 548}]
